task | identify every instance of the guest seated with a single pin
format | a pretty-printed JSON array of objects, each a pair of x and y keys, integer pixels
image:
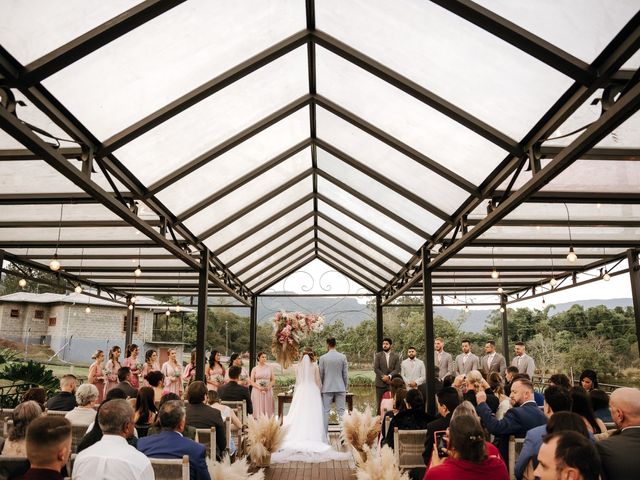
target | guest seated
[
  {"x": 233, "y": 391},
  {"x": 582, "y": 406},
  {"x": 189, "y": 431},
  {"x": 399, "y": 406},
  {"x": 227, "y": 412},
  {"x": 38, "y": 395},
  {"x": 447, "y": 381},
  {"x": 509, "y": 374},
  {"x": 588, "y": 380},
  {"x": 200, "y": 415},
  {"x": 65, "y": 400},
  {"x": 388, "y": 398},
  {"x": 124, "y": 377},
  {"x": 460, "y": 385},
  {"x": 94, "y": 432},
  {"x": 448, "y": 401},
  {"x": 600, "y": 404},
  {"x": 112, "y": 457},
  {"x": 467, "y": 457},
  {"x": 155, "y": 379},
  {"x": 568, "y": 455},
  {"x": 475, "y": 383},
  {"x": 48, "y": 447},
  {"x": 146, "y": 410},
  {"x": 170, "y": 443},
  {"x": 537, "y": 396},
  {"x": 86, "y": 397},
  {"x": 413, "y": 417},
  {"x": 619, "y": 452},
  {"x": 22, "y": 416},
  {"x": 561, "y": 380},
  {"x": 497, "y": 386}
]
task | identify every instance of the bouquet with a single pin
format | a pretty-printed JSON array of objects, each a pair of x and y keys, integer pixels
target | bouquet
[
  {"x": 263, "y": 384},
  {"x": 218, "y": 378},
  {"x": 288, "y": 330}
]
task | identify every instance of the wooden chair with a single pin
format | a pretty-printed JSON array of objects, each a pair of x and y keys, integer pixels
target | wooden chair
[
  {"x": 387, "y": 422},
  {"x": 6, "y": 414},
  {"x": 12, "y": 467},
  {"x": 61, "y": 413},
  {"x": 515, "y": 447},
  {"x": 207, "y": 437},
  {"x": 77, "y": 432},
  {"x": 227, "y": 431},
  {"x": 408, "y": 446},
  {"x": 171, "y": 469},
  {"x": 234, "y": 404},
  {"x": 70, "y": 462},
  {"x": 6, "y": 425}
]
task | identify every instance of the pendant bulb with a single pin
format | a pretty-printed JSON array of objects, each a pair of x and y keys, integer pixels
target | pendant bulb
[
  {"x": 22, "y": 282},
  {"x": 495, "y": 274},
  {"x": 553, "y": 282},
  {"x": 606, "y": 277},
  {"x": 88, "y": 309},
  {"x": 54, "y": 264},
  {"x": 78, "y": 289},
  {"x": 571, "y": 256}
]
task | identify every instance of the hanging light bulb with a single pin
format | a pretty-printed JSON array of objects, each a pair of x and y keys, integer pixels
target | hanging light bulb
[
  {"x": 88, "y": 309},
  {"x": 544, "y": 303},
  {"x": 571, "y": 256},
  {"x": 178, "y": 308},
  {"x": 466, "y": 309},
  {"x": 495, "y": 273},
  {"x": 138, "y": 271},
  {"x": 168, "y": 312},
  {"x": 501, "y": 309},
  {"x": 130, "y": 306},
  {"x": 22, "y": 282},
  {"x": 500, "y": 290},
  {"x": 54, "y": 264},
  {"x": 553, "y": 282},
  {"x": 606, "y": 277},
  {"x": 134, "y": 299},
  {"x": 78, "y": 289}
]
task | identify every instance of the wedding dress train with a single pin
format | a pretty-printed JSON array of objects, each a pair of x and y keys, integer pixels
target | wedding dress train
[{"x": 306, "y": 439}]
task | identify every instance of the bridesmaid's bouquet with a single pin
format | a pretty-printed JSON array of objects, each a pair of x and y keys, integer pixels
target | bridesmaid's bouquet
[
  {"x": 263, "y": 384},
  {"x": 288, "y": 330}
]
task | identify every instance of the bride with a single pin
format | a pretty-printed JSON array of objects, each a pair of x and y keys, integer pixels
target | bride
[{"x": 305, "y": 439}]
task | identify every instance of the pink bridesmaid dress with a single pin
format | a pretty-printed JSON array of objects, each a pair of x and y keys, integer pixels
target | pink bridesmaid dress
[
  {"x": 262, "y": 401},
  {"x": 172, "y": 378},
  {"x": 131, "y": 363}
]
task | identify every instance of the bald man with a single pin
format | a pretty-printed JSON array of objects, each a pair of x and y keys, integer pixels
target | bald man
[{"x": 619, "y": 453}]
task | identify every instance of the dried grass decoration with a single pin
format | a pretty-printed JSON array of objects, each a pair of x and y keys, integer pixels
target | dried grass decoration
[
  {"x": 265, "y": 435},
  {"x": 383, "y": 467},
  {"x": 360, "y": 430},
  {"x": 239, "y": 470}
]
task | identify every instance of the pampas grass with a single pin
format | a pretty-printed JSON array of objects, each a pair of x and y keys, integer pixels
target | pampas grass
[
  {"x": 264, "y": 436},
  {"x": 383, "y": 467},
  {"x": 225, "y": 470},
  {"x": 360, "y": 429}
]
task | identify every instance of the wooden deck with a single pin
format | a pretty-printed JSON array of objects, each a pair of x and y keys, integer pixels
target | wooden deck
[{"x": 333, "y": 470}]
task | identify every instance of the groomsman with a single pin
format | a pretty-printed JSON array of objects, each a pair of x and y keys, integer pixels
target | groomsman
[
  {"x": 466, "y": 361},
  {"x": 523, "y": 362},
  {"x": 386, "y": 364},
  {"x": 412, "y": 369},
  {"x": 442, "y": 359},
  {"x": 492, "y": 361}
]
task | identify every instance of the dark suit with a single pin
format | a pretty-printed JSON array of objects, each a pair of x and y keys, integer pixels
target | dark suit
[
  {"x": 236, "y": 393},
  {"x": 410, "y": 419},
  {"x": 517, "y": 421},
  {"x": 492, "y": 400},
  {"x": 381, "y": 367},
  {"x": 169, "y": 444},
  {"x": 63, "y": 402},
  {"x": 126, "y": 387},
  {"x": 200, "y": 415},
  {"x": 437, "y": 425},
  {"x": 619, "y": 455}
]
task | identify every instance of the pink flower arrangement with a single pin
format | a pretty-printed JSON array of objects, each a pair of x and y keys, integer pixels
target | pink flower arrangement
[{"x": 288, "y": 330}]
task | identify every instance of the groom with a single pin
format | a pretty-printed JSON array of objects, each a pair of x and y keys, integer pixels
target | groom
[{"x": 334, "y": 377}]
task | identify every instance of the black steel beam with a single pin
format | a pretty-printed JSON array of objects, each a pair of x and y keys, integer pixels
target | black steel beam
[
  {"x": 583, "y": 197},
  {"x": 77, "y": 244},
  {"x": 253, "y": 332},
  {"x": 72, "y": 224},
  {"x": 429, "y": 334},
  {"x": 379, "y": 321},
  {"x": 533, "y": 243},
  {"x": 563, "y": 223},
  {"x": 21, "y": 154},
  {"x": 95, "y": 38},
  {"x": 310, "y": 10},
  {"x": 597, "y": 153},
  {"x": 51, "y": 198},
  {"x": 203, "y": 314},
  {"x": 505, "y": 326}
]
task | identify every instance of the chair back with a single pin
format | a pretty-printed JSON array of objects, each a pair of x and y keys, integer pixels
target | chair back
[
  {"x": 408, "y": 446},
  {"x": 227, "y": 431},
  {"x": 60, "y": 413},
  {"x": 70, "y": 462},
  {"x": 207, "y": 437},
  {"x": 6, "y": 425},
  {"x": 77, "y": 432},
  {"x": 235, "y": 404},
  {"x": 515, "y": 447},
  {"x": 12, "y": 467},
  {"x": 387, "y": 422},
  {"x": 171, "y": 469},
  {"x": 5, "y": 414}
]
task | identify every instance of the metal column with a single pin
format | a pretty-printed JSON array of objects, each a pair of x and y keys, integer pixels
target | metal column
[
  {"x": 634, "y": 275},
  {"x": 128, "y": 332},
  {"x": 505, "y": 328},
  {"x": 203, "y": 310},
  {"x": 379, "y": 323},
  {"x": 253, "y": 332},
  {"x": 429, "y": 335}
]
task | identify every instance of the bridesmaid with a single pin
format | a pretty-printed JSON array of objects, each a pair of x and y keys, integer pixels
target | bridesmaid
[
  {"x": 132, "y": 362},
  {"x": 172, "y": 372},
  {"x": 97, "y": 375},
  {"x": 113, "y": 365},
  {"x": 150, "y": 364},
  {"x": 190, "y": 370},
  {"x": 236, "y": 360},
  {"x": 214, "y": 372},
  {"x": 262, "y": 380}
]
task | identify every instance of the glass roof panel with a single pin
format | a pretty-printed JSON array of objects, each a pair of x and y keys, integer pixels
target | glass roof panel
[
  {"x": 432, "y": 133},
  {"x": 203, "y": 219},
  {"x": 368, "y": 213},
  {"x": 600, "y": 233},
  {"x": 169, "y": 56},
  {"x": 33, "y": 177},
  {"x": 356, "y": 227},
  {"x": 389, "y": 162},
  {"x": 40, "y": 26},
  {"x": 353, "y": 255},
  {"x": 213, "y": 120},
  {"x": 69, "y": 233},
  {"x": 282, "y": 253},
  {"x": 349, "y": 266},
  {"x": 577, "y": 211},
  {"x": 362, "y": 183},
  {"x": 284, "y": 239},
  {"x": 533, "y": 264},
  {"x": 279, "y": 225},
  {"x": 508, "y": 89},
  {"x": 583, "y": 32},
  {"x": 30, "y": 213},
  {"x": 259, "y": 282},
  {"x": 239, "y": 161}
]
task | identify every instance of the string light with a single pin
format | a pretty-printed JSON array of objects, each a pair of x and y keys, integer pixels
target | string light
[
  {"x": 500, "y": 290},
  {"x": 88, "y": 309},
  {"x": 501, "y": 309},
  {"x": 571, "y": 256},
  {"x": 130, "y": 306},
  {"x": 606, "y": 277},
  {"x": 22, "y": 282},
  {"x": 78, "y": 289},
  {"x": 494, "y": 273},
  {"x": 168, "y": 312},
  {"x": 138, "y": 271},
  {"x": 55, "y": 263}
]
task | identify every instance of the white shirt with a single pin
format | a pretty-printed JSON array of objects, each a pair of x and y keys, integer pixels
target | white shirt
[
  {"x": 81, "y": 416},
  {"x": 386, "y": 357},
  {"x": 490, "y": 360},
  {"x": 112, "y": 458},
  {"x": 465, "y": 356},
  {"x": 413, "y": 371}
]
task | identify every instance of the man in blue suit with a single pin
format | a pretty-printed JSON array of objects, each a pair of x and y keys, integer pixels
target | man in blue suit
[
  {"x": 518, "y": 420},
  {"x": 171, "y": 444}
]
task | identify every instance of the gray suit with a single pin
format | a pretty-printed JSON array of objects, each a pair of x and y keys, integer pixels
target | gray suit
[
  {"x": 498, "y": 364},
  {"x": 525, "y": 365},
  {"x": 472, "y": 363},
  {"x": 445, "y": 365},
  {"x": 335, "y": 379}
]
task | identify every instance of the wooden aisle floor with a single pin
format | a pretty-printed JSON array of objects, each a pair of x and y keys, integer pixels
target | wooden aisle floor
[{"x": 333, "y": 470}]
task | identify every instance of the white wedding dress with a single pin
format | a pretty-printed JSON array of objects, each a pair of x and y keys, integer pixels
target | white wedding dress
[{"x": 306, "y": 440}]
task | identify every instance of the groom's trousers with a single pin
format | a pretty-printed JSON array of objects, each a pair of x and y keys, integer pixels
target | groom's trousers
[{"x": 329, "y": 397}]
